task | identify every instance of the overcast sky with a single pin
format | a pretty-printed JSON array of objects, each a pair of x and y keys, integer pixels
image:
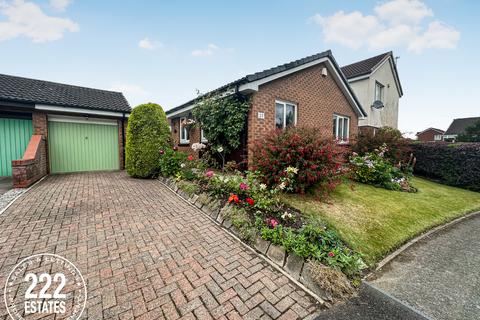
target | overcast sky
[{"x": 162, "y": 51}]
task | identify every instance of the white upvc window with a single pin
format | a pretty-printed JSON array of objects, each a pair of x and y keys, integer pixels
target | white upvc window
[
  {"x": 341, "y": 128},
  {"x": 437, "y": 137},
  {"x": 184, "y": 134},
  {"x": 202, "y": 137},
  {"x": 285, "y": 114},
  {"x": 379, "y": 91}
]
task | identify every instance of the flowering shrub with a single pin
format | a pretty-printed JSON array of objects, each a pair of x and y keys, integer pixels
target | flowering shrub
[
  {"x": 374, "y": 169},
  {"x": 313, "y": 159},
  {"x": 198, "y": 146},
  {"x": 171, "y": 161}
]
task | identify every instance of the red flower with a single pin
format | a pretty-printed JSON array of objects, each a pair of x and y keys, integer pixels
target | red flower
[
  {"x": 175, "y": 148},
  {"x": 233, "y": 198},
  {"x": 250, "y": 201},
  {"x": 190, "y": 158},
  {"x": 161, "y": 152},
  {"x": 331, "y": 254}
]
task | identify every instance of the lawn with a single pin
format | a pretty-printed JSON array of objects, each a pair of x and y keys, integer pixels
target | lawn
[{"x": 375, "y": 221}]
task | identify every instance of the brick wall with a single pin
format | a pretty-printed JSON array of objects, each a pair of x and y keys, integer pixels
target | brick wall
[
  {"x": 428, "y": 136},
  {"x": 317, "y": 98},
  {"x": 33, "y": 166}
]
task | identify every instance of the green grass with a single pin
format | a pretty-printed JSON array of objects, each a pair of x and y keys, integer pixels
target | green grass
[{"x": 375, "y": 221}]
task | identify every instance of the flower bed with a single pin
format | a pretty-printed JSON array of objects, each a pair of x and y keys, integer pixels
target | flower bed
[{"x": 242, "y": 202}]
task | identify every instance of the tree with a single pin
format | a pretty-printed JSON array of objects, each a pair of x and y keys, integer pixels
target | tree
[
  {"x": 147, "y": 133},
  {"x": 471, "y": 134}
]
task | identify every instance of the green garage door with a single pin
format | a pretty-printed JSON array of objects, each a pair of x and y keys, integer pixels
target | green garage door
[
  {"x": 75, "y": 147},
  {"x": 14, "y": 137}
]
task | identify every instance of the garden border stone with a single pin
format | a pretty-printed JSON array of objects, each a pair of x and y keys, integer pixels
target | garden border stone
[{"x": 291, "y": 264}]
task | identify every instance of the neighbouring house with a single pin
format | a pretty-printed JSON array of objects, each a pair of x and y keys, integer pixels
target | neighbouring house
[
  {"x": 457, "y": 127},
  {"x": 377, "y": 86},
  {"x": 311, "y": 91},
  {"x": 48, "y": 127},
  {"x": 430, "y": 135}
]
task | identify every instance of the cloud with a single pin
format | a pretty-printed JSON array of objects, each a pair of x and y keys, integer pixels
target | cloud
[
  {"x": 396, "y": 23},
  {"x": 28, "y": 20},
  {"x": 60, "y": 5},
  {"x": 403, "y": 11},
  {"x": 148, "y": 44},
  {"x": 210, "y": 50}
]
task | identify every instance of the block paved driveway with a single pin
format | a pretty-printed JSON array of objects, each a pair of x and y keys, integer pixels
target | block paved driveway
[{"x": 144, "y": 252}]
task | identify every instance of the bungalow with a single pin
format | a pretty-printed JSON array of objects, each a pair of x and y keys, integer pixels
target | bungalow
[
  {"x": 430, "y": 135},
  {"x": 312, "y": 91},
  {"x": 48, "y": 127},
  {"x": 457, "y": 127}
]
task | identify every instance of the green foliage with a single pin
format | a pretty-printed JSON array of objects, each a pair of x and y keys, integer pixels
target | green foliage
[
  {"x": 374, "y": 169},
  {"x": 170, "y": 162},
  {"x": 147, "y": 133},
  {"x": 222, "y": 120},
  {"x": 471, "y": 134},
  {"x": 316, "y": 243}
]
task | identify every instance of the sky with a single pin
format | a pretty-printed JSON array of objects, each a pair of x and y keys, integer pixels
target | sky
[{"x": 164, "y": 51}]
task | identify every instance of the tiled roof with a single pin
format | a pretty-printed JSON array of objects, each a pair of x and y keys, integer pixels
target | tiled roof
[
  {"x": 432, "y": 129},
  {"x": 18, "y": 89},
  {"x": 363, "y": 67},
  {"x": 268, "y": 72},
  {"x": 459, "y": 125}
]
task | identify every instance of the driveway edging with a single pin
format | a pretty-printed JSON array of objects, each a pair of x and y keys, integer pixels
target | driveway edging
[
  {"x": 322, "y": 302},
  {"x": 21, "y": 194},
  {"x": 407, "y": 245}
]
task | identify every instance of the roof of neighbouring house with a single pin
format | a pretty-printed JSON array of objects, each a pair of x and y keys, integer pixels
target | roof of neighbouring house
[
  {"x": 19, "y": 89},
  {"x": 367, "y": 66},
  {"x": 272, "y": 71},
  {"x": 459, "y": 125},
  {"x": 432, "y": 129}
]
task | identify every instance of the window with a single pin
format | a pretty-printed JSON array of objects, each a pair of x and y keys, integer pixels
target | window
[
  {"x": 437, "y": 137},
  {"x": 341, "y": 128},
  {"x": 202, "y": 137},
  {"x": 379, "y": 89},
  {"x": 285, "y": 114},
  {"x": 184, "y": 134}
]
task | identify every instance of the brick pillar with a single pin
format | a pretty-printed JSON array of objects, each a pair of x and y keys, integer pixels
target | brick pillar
[{"x": 40, "y": 127}]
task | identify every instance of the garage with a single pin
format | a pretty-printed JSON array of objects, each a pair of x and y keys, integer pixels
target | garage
[
  {"x": 15, "y": 133},
  {"x": 77, "y": 145}
]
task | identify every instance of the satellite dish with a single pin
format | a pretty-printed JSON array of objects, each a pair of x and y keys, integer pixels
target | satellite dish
[{"x": 377, "y": 104}]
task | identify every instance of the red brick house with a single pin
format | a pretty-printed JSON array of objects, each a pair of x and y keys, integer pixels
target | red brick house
[
  {"x": 430, "y": 135},
  {"x": 48, "y": 127},
  {"x": 311, "y": 92}
]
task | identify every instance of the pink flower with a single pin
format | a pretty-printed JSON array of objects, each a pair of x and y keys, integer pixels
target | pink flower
[
  {"x": 331, "y": 254},
  {"x": 161, "y": 152},
  {"x": 190, "y": 158},
  {"x": 272, "y": 222},
  {"x": 243, "y": 186},
  {"x": 209, "y": 174},
  {"x": 175, "y": 148}
]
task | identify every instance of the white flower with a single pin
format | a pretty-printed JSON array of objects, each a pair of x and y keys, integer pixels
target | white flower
[
  {"x": 263, "y": 186},
  {"x": 287, "y": 215},
  {"x": 198, "y": 146},
  {"x": 292, "y": 170},
  {"x": 182, "y": 165},
  {"x": 220, "y": 149},
  {"x": 282, "y": 186}
]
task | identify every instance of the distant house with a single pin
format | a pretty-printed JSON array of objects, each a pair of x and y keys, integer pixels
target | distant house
[
  {"x": 311, "y": 92},
  {"x": 377, "y": 86},
  {"x": 457, "y": 127},
  {"x": 430, "y": 135}
]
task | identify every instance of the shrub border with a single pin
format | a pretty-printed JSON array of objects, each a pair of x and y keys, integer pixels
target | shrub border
[{"x": 291, "y": 265}]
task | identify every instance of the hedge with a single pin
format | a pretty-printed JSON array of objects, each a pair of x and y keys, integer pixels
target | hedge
[
  {"x": 453, "y": 164},
  {"x": 147, "y": 133}
]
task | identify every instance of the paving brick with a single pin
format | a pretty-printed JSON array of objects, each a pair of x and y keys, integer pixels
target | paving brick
[{"x": 145, "y": 253}]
